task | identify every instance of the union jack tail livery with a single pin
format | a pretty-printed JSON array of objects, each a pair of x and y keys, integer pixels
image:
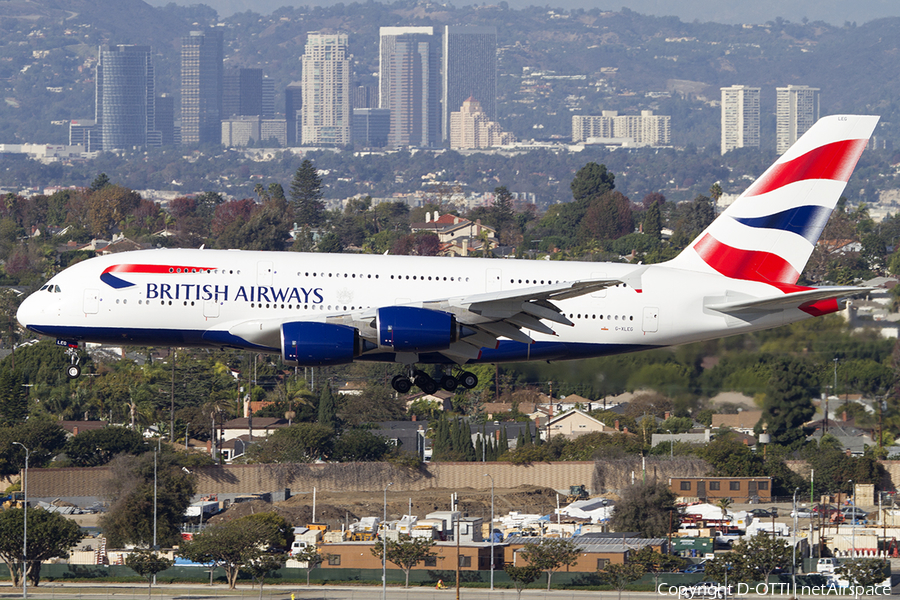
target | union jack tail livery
[{"x": 768, "y": 234}]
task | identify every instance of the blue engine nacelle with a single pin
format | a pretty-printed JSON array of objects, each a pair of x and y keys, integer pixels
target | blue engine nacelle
[
  {"x": 310, "y": 344},
  {"x": 411, "y": 329}
]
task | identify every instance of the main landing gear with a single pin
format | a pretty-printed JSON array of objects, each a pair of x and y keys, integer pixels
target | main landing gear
[{"x": 402, "y": 383}]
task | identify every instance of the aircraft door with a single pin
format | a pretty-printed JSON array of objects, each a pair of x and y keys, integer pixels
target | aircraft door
[
  {"x": 91, "y": 302},
  {"x": 651, "y": 319},
  {"x": 210, "y": 308},
  {"x": 492, "y": 282},
  {"x": 264, "y": 273}
]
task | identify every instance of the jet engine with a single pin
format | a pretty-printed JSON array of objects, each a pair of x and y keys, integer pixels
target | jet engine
[
  {"x": 310, "y": 344},
  {"x": 411, "y": 329}
]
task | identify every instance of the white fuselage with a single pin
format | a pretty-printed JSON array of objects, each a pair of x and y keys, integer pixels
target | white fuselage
[{"x": 186, "y": 297}]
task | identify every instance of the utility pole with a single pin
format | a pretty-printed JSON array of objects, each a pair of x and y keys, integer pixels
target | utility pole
[{"x": 172, "y": 401}]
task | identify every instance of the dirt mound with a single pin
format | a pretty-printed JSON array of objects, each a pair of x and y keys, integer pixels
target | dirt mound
[{"x": 337, "y": 509}]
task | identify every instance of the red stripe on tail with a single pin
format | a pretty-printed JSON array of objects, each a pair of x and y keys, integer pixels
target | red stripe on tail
[
  {"x": 752, "y": 265},
  {"x": 833, "y": 161}
]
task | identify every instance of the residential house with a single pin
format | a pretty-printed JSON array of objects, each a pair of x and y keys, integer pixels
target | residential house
[
  {"x": 574, "y": 423},
  {"x": 743, "y": 421},
  {"x": 710, "y": 489}
]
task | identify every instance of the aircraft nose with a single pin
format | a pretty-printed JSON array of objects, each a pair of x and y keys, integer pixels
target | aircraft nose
[{"x": 28, "y": 311}]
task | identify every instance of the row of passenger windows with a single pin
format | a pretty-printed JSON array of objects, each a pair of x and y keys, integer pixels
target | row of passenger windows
[{"x": 608, "y": 317}]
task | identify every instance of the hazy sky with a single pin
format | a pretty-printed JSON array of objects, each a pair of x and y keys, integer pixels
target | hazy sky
[{"x": 836, "y": 12}]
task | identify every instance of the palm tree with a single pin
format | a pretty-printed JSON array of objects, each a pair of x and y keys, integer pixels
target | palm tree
[{"x": 723, "y": 504}]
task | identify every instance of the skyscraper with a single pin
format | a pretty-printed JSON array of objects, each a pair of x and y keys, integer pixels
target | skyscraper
[
  {"x": 469, "y": 69},
  {"x": 202, "y": 74},
  {"x": 326, "y": 117},
  {"x": 293, "y": 101},
  {"x": 796, "y": 109},
  {"x": 409, "y": 82},
  {"x": 740, "y": 117},
  {"x": 165, "y": 119},
  {"x": 125, "y": 101},
  {"x": 242, "y": 93}
]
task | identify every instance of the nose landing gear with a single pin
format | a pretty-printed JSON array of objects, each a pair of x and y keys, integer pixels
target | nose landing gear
[
  {"x": 403, "y": 383},
  {"x": 73, "y": 370}
]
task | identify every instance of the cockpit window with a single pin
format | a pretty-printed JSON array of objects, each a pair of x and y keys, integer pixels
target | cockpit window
[
  {"x": 53, "y": 289},
  {"x": 56, "y": 289},
  {"x": 43, "y": 288}
]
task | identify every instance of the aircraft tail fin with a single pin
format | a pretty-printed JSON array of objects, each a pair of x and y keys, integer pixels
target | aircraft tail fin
[{"x": 770, "y": 231}]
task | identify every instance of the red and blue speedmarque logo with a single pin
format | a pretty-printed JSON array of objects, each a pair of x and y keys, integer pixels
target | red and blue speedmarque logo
[{"x": 118, "y": 283}]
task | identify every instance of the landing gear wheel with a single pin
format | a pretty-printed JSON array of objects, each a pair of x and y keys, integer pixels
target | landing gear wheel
[
  {"x": 426, "y": 383},
  {"x": 401, "y": 384},
  {"x": 449, "y": 383},
  {"x": 468, "y": 380},
  {"x": 73, "y": 371}
]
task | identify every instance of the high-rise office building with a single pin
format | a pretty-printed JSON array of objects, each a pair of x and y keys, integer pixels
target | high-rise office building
[
  {"x": 293, "y": 101},
  {"x": 242, "y": 93},
  {"x": 326, "y": 117},
  {"x": 740, "y": 117},
  {"x": 409, "y": 82},
  {"x": 364, "y": 96},
  {"x": 644, "y": 130},
  {"x": 202, "y": 74},
  {"x": 796, "y": 109},
  {"x": 371, "y": 127},
  {"x": 469, "y": 70},
  {"x": 125, "y": 99},
  {"x": 268, "y": 98},
  {"x": 165, "y": 119}
]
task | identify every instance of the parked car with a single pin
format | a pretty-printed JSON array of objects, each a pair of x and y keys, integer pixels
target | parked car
[
  {"x": 695, "y": 568},
  {"x": 826, "y": 509},
  {"x": 803, "y": 513},
  {"x": 762, "y": 513},
  {"x": 853, "y": 513}
]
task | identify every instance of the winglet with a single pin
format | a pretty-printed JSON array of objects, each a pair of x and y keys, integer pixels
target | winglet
[{"x": 633, "y": 279}]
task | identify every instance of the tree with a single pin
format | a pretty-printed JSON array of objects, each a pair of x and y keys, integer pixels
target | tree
[
  {"x": 309, "y": 555},
  {"x": 788, "y": 402},
  {"x": 550, "y": 554},
  {"x": 656, "y": 562},
  {"x": 522, "y": 576},
  {"x": 653, "y": 221},
  {"x": 502, "y": 213},
  {"x": 234, "y": 544},
  {"x": 97, "y": 447},
  {"x": 301, "y": 442},
  {"x": 406, "y": 552},
  {"x": 620, "y": 575},
  {"x": 647, "y": 508},
  {"x": 306, "y": 194},
  {"x": 13, "y": 398},
  {"x": 262, "y": 565},
  {"x": 760, "y": 556},
  {"x": 147, "y": 564},
  {"x": 327, "y": 408},
  {"x": 592, "y": 180},
  {"x": 50, "y": 535},
  {"x": 864, "y": 572},
  {"x": 42, "y": 437},
  {"x": 130, "y": 491},
  {"x": 100, "y": 182},
  {"x": 360, "y": 445}
]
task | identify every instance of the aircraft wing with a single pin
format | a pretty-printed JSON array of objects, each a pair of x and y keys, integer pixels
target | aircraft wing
[
  {"x": 793, "y": 300},
  {"x": 484, "y": 317}
]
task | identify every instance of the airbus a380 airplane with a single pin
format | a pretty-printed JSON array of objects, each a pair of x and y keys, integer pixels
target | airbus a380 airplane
[{"x": 739, "y": 275}]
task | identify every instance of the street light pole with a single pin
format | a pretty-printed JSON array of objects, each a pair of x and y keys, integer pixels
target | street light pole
[
  {"x": 671, "y": 443},
  {"x": 25, "y": 524},
  {"x": 384, "y": 546},
  {"x": 794, "y": 543},
  {"x": 491, "y": 530}
]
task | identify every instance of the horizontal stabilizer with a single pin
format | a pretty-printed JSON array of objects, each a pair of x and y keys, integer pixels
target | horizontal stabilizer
[{"x": 793, "y": 300}]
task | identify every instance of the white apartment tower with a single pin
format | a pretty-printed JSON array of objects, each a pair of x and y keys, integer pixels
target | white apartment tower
[
  {"x": 645, "y": 129},
  {"x": 325, "y": 113},
  {"x": 796, "y": 108},
  {"x": 740, "y": 117}
]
